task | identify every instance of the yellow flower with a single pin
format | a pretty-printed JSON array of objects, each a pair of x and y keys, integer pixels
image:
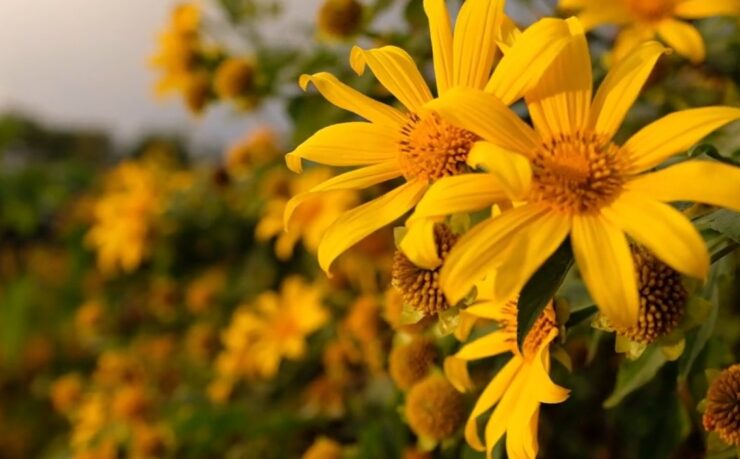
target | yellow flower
[
  {"x": 568, "y": 177},
  {"x": 178, "y": 49},
  {"x": 310, "y": 220},
  {"x": 417, "y": 143},
  {"x": 642, "y": 20},
  {"x": 339, "y": 18},
  {"x": 323, "y": 448},
  {"x": 66, "y": 392},
  {"x": 201, "y": 293},
  {"x": 518, "y": 388},
  {"x": 123, "y": 217},
  {"x": 274, "y": 328},
  {"x": 233, "y": 78},
  {"x": 434, "y": 409},
  {"x": 258, "y": 147}
]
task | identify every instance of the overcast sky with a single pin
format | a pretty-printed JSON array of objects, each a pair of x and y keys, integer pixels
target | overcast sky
[{"x": 83, "y": 62}]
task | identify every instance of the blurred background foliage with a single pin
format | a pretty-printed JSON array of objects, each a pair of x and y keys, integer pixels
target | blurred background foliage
[{"x": 133, "y": 279}]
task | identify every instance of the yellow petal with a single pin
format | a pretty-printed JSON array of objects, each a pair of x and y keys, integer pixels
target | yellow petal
[
  {"x": 396, "y": 71},
  {"x": 480, "y": 250},
  {"x": 621, "y": 87},
  {"x": 684, "y": 38},
  {"x": 356, "y": 224},
  {"x": 355, "y": 180},
  {"x": 605, "y": 262},
  {"x": 675, "y": 133},
  {"x": 494, "y": 343},
  {"x": 605, "y": 13},
  {"x": 545, "y": 389},
  {"x": 419, "y": 245},
  {"x": 500, "y": 419},
  {"x": 440, "y": 33},
  {"x": 465, "y": 326},
  {"x": 511, "y": 169},
  {"x": 663, "y": 230},
  {"x": 456, "y": 371},
  {"x": 630, "y": 38},
  {"x": 518, "y": 431},
  {"x": 488, "y": 309},
  {"x": 559, "y": 104},
  {"x": 351, "y": 100},
  {"x": 474, "y": 42},
  {"x": 508, "y": 34},
  {"x": 707, "y": 182},
  {"x": 489, "y": 397},
  {"x": 459, "y": 194},
  {"x": 485, "y": 115},
  {"x": 348, "y": 144},
  {"x": 530, "y": 55},
  {"x": 527, "y": 251},
  {"x": 695, "y": 9}
]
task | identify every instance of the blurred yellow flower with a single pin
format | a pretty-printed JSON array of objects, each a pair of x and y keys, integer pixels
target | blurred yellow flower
[
  {"x": 518, "y": 388},
  {"x": 234, "y": 78},
  {"x": 66, "y": 392},
  {"x": 323, "y": 448},
  {"x": 417, "y": 144},
  {"x": 642, "y": 20},
  {"x": 202, "y": 292},
  {"x": 178, "y": 48},
  {"x": 258, "y": 147},
  {"x": 311, "y": 219},
  {"x": 339, "y": 18},
  {"x": 572, "y": 179},
  {"x": 124, "y": 216},
  {"x": 273, "y": 328}
]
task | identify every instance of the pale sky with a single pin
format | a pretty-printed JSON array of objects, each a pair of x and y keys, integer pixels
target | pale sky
[{"x": 83, "y": 62}]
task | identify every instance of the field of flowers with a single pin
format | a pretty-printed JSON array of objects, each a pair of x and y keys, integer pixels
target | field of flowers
[{"x": 491, "y": 230}]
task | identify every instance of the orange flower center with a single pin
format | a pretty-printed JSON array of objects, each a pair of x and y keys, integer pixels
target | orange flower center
[
  {"x": 536, "y": 335},
  {"x": 577, "y": 173},
  {"x": 650, "y": 10},
  {"x": 431, "y": 148},
  {"x": 722, "y": 414}
]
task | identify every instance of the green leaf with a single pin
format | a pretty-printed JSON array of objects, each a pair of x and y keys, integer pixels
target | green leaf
[
  {"x": 540, "y": 289},
  {"x": 726, "y": 222},
  {"x": 635, "y": 374},
  {"x": 695, "y": 343},
  {"x": 712, "y": 152}
]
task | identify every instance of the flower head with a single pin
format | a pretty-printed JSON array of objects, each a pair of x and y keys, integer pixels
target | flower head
[
  {"x": 642, "y": 20},
  {"x": 434, "y": 409},
  {"x": 409, "y": 363},
  {"x": 518, "y": 388},
  {"x": 416, "y": 143},
  {"x": 339, "y": 18},
  {"x": 568, "y": 177},
  {"x": 722, "y": 414}
]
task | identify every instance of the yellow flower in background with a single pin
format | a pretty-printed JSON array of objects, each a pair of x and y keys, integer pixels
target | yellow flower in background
[
  {"x": 178, "y": 49},
  {"x": 568, "y": 178},
  {"x": 642, "y": 20},
  {"x": 417, "y": 143},
  {"x": 273, "y": 328},
  {"x": 518, "y": 389},
  {"x": 124, "y": 217},
  {"x": 316, "y": 213},
  {"x": 202, "y": 292},
  {"x": 233, "y": 78},
  {"x": 339, "y": 18},
  {"x": 258, "y": 147}
]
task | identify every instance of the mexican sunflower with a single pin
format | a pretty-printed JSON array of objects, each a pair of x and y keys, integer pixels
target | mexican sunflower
[
  {"x": 642, "y": 20},
  {"x": 567, "y": 177},
  {"x": 517, "y": 390},
  {"x": 416, "y": 143}
]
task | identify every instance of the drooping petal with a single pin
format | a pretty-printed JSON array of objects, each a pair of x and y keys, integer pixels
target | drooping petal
[
  {"x": 604, "y": 258},
  {"x": 560, "y": 102},
  {"x": 663, "y": 230},
  {"x": 489, "y": 397},
  {"x": 419, "y": 245},
  {"x": 474, "y": 42},
  {"x": 459, "y": 194},
  {"x": 508, "y": 34},
  {"x": 675, "y": 133},
  {"x": 347, "y": 144},
  {"x": 353, "y": 101},
  {"x": 695, "y": 9},
  {"x": 361, "y": 221},
  {"x": 525, "y": 62},
  {"x": 440, "y": 32},
  {"x": 503, "y": 413},
  {"x": 684, "y": 38},
  {"x": 520, "y": 423},
  {"x": 481, "y": 249},
  {"x": 708, "y": 182},
  {"x": 396, "y": 71},
  {"x": 485, "y": 115},
  {"x": 545, "y": 389},
  {"x": 621, "y": 87},
  {"x": 494, "y": 343},
  {"x": 355, "y": 180},
  {"x": 527, "y": 251},
  {"x": 456, "y": 371}
]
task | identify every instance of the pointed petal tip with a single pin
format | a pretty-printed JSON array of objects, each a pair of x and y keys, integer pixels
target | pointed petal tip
[
  {"x": 293, "y": 162},
  {"x": 357, "y": 60}
]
